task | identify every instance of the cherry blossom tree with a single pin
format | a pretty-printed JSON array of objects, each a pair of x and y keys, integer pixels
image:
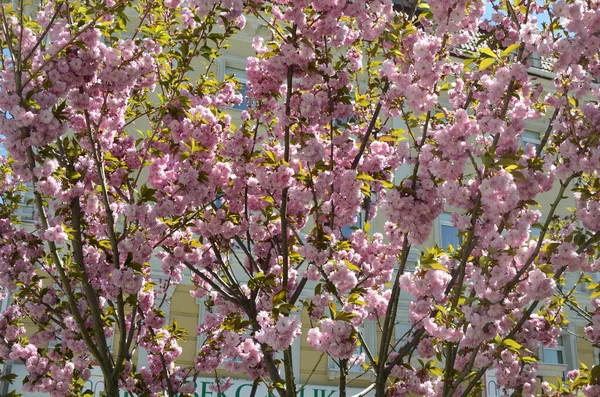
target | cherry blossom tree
[{"x": 115, "y": 120}]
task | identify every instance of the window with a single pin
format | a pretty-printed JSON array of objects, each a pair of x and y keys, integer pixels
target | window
[
  {"x": 26, "y": 210},
  {"x": 219, "y": 200},
  {"x": 345, "y": 122},
  {"x": 349, "y": 229},
  {"x": 554, "y": 355},
  {"x": 536, "y": 229},
  {"x": 402, "y": 331},
  {"x": 531, "y": 138},
  {"x": 492, "y": 389},
  {"x": 368, "y": 331},
  {"x": 200, "y": 338},
  {"x": 360, "y": 219},
  {"x": 535, "y": 60},
  {"x": 353, "y": 365},
  {"x": 556, "y": 361},
  {"x": 535, "y": 232},
  {"x": 4, "y": 300},
  {"x": 448, "y": 233},
  {"x": 240, "y": 75}
]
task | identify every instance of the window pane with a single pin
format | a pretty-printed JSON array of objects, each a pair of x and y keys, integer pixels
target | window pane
[
  {"x": 342, "y": 123},
  {"x": 239, "y": 74},
  {"x": 450, "y": 237},
  {"x": 535, "y": 60},
  {"x": 353, "y": 365},
  {"x": 552, "y": 356},
  {"x": 27, "y": 210},
  {"x": 348, "y": 230},
  {"x": 531, "y": 136},
  {"x": 243, "y": 90},
  {"x": 446, "y": 217}
]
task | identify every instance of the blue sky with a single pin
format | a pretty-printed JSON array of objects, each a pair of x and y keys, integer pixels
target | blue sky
[{"x": 489, "y": 11}]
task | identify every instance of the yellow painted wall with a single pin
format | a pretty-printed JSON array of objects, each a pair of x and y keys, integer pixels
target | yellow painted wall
[
  {"x": 585, "y": 350},
  {"x": 184, "y": 310}
]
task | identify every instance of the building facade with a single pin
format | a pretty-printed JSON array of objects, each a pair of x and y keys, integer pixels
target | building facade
[{"x": 315, "y": 371}]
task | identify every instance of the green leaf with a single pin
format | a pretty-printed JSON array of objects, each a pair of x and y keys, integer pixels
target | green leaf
[
  {"x": 268, "y": 199},
  {"x": 279, "y": 297},
  {"x": 486, "y": 63},
  {"x": 108, "y": 156},
  {"x": 343, "y": 245},
  {"x": 468, "y": 61},
  {"x": 550, "y": 247},
  {"x": 285, "y": 308},
  {"x": 487, "y": 160},
  {"x": 271, "y": 156},
  {"x": 438, "y": 266},
  {"x": 147, "y": 193},
  {"x": 280, "y": 384},
  {"x": 73, "y": 175},
  {"x": 318, "y": 289},
  {"x": 332, "y": 309},
  {"x": 509, "y": 49},
  {"x": 104, "y": 244},
  {"x": 8, "y": 378},
  {"x": 343, "y": 316},
  {"x": 546, "y": 268},
  {"x": 386, "y": 184},
  {"x": 519, "y": 175},
  {"x": 512, "y": 344},
  {"x": 488, "y": 52},
  {"x": 351, "y": 266},
  {"x": 595, "y": 373},
  {"x": 365, "y": 177}
]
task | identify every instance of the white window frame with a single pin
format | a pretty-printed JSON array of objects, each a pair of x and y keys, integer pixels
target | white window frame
[
  {"x": 199, "y": 339},
  {"x": 569, "y": 356},
  {"x": 559, "y": 348}
]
